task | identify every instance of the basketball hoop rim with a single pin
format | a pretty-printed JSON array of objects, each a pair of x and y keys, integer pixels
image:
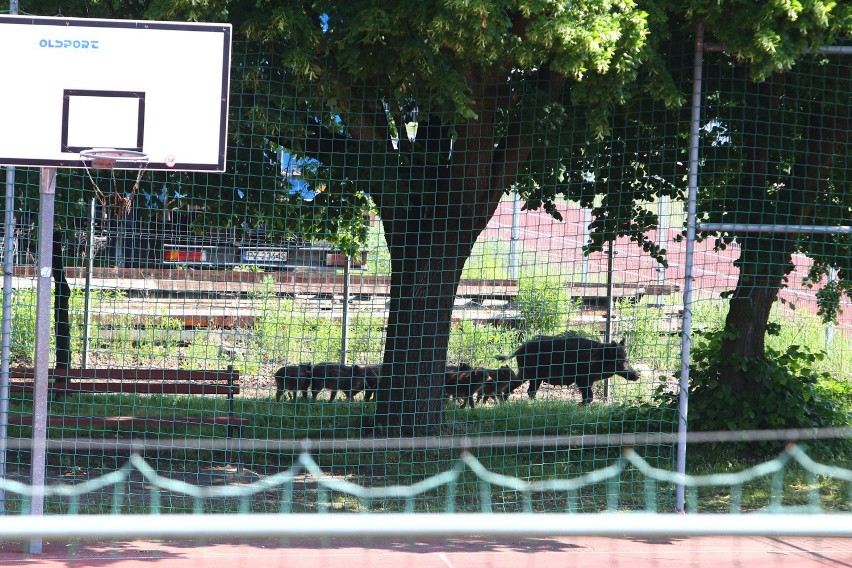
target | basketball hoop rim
[{"x": 108, "y": 157}]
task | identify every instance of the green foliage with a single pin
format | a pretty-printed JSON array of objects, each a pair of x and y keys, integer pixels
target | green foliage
[
  {"x": 266, "y": 291},
  {"x": 378, "y": 255},
  {"x": 283, "y": 334},
  {"x": 477, "y": 344},
  {"x": 785, "y": 391},
  {"x": 252, "y": 268},
  {"x": 366, "y": 339},
  {"x": 78, "y": 296},
  {"x": 639, "y": 324},
  {"x": 138, "y": 337},
  {"x": 770, "y": 36},
  {"x": 839, "y": 391},
  {"x": 23, "y": 329},
  {"x": 488, "y": 260},
  {"x": 544, "y": 304},
  {"x": 270, "y": 336}
]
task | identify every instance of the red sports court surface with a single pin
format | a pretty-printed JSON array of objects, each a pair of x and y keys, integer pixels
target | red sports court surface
[{"x": 591, "y": 552}]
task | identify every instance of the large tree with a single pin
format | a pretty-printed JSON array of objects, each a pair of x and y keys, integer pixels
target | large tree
[
  {"x": 775, "y": 122},
  {"x": 515, "y": 94},
  {"x": 506, "y": 95},
  {"x": 479, "y": 79},
  {"x": 783, "y": 160},
  {"x": 338, "y": 84}
]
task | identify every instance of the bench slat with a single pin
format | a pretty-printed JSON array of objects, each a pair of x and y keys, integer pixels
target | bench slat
[
  {"x": 124, "y": 374},
  {"x": 129, "y": 421},
  {"x": 137, "y": 381},
  {"x": 134, "y": 387}
]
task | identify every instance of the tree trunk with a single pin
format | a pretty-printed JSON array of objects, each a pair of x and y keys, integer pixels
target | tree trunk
[
  {"x": 764, "y": 263},
  {"x": 428, "y": 253},
  {"x": 433, "y": 209},
  {"x": 766, "y": 259}
]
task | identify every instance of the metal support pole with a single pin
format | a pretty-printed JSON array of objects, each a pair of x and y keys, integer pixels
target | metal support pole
[
  {"x": 344, "y": 339},
  {"x": 6, "y": 328},
  {"x": 47, "y": 199},
  {"x": 120, "y": 234},
  {"x": 662, "y": 242},
  {"x": 829, "y": 329},
  {"x": 686, "y": 336},
  {"x": 587, "y": 220},
  {"x": 514, "y": 253},
  {"x": 90, "y": 263},
  {"x": 8, "y": 292},
  {"x": 609, "y": 293},
  {"x": 610, "y": 253},
  {"x": 772, "y": 228}
]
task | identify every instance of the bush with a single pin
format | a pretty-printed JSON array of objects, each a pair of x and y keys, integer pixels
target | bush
[
  {"x": 787, "y": 391},
  {"x": 24, "y": 324},
  {"x": 477, "y": 344},
  {"x": 544, "y": 304}
]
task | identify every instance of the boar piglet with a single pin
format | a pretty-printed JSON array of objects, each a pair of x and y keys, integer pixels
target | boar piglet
[{"x": 293, "y": 379}]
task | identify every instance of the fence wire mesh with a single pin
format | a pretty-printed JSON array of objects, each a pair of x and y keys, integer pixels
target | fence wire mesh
[
  {"x": 785, "y": 484},
  {"x": 333, "y": 287}
]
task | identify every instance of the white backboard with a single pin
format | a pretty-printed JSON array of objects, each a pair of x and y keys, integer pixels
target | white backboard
[{"x": 73, "y": 84}]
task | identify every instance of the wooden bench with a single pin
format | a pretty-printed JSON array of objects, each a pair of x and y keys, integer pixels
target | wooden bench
[{"x": 135, "y": 381}]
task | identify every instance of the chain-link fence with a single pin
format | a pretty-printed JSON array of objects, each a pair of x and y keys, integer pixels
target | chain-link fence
[{"x": 298, "y": 295}]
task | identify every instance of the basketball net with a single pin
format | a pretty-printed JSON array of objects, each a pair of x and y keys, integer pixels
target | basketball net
[{"x": 120, "y": 204}]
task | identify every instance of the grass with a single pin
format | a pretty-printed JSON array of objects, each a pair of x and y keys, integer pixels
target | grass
[
  {"x": 383, "y": 468},
  {"x": 284, "y": 334},
  {"x": 336, "y": 420},
  {"x": 792, "y": 487}
]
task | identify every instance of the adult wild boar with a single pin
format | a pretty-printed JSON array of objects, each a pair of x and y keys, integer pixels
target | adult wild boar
[{"x": 565, "y": 360}]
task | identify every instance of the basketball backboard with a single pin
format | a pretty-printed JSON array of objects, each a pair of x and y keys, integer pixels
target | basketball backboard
[{"x": 155, "y": 87}]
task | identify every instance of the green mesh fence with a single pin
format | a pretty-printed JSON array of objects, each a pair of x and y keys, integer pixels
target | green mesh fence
[
  {"x": 773, "y": 245},
  {"x": 138, "y": 488},
  {"x": 311, "y": 515},
  {"x": 375, "y": 244}
]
